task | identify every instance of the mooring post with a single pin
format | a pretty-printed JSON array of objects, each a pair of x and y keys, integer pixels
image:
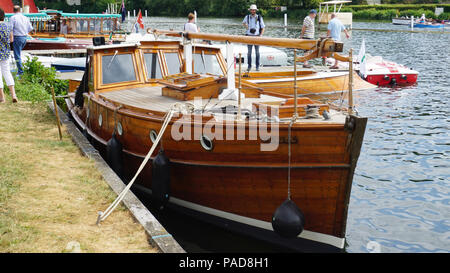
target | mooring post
[
  {"x": 56, "y": 113},
  {"x": 350, "y": 82}
]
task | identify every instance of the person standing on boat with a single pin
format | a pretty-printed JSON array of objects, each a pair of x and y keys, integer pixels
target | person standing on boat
[
  {"x": 335, "y": 27},
  {"x": 20, "y": 27},
  {"x": 308, "y": 30},
  {"x": 190, "y": 26},
  {"x": 5, "y": 71},
  {"x": 255, "y": 26}
]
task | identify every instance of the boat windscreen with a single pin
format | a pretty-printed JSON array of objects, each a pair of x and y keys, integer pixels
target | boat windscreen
[
  {"x": 118, "y": 68},
  {"x": 153, "y": 67},
  {"x": 173, "y": 62},
  {"x": 206, "y": 63}
]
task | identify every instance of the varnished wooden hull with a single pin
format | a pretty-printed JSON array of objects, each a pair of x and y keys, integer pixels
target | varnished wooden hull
[{"x": 236, "y": 180}]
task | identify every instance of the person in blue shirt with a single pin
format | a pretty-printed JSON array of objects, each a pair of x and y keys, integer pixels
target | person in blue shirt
[
  {"x": 335, "y": 27},
  {"x": 20, "y": 27},
  {"x": 254, "y": 24}
]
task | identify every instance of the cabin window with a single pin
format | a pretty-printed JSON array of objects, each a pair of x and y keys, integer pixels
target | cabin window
[
  {"x": 82, "y": 26},
  {"x": 118, "y": 68},
  {"x": 206, "y": 63},
  {"x": 153, "y": 67},
  {"x": 94, "y": 26},
  {"x": 108, "y": 25},
  {"x": 173, "y": 62}
]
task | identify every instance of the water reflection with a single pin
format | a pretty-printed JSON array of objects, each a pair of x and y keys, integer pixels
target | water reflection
[{"x": 401, "y": 195}]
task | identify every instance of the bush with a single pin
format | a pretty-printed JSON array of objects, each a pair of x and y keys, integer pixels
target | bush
[
  {"x": 37, "y": 80},
  {"x": 418, "y": 13},
  {"x": 444, "y": 16},
  {"x": 375, "y": 14},
  {"x": 33, "y": 92}
]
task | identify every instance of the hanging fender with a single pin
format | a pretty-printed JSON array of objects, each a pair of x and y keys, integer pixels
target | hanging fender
[
  {"x": 114, "y": 154},
  {"x": 161, "y": 179},
  {"x": 288, "y": 220}
]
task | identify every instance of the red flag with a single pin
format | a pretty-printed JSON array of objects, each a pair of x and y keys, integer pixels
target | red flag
[{"x": 139, "y": 20}]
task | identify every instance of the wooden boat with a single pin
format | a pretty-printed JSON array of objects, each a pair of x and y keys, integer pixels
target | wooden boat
[
  {"x": 229, "y": 177},
  {"x": 401, "y": 21},
  {"x": 78, "y": 32}
]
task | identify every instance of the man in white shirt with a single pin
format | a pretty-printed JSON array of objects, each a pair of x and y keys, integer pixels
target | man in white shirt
[
  {"x": 308, "y": 30},
  {"x": 20, "y": 27},
  {"x": 255, "y": 26},
  {"x": 335, "y": 27},
  {"x": 190, "y": 26}
]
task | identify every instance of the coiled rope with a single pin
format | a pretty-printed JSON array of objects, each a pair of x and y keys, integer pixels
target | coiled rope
[{"x": 177, "y": 107}]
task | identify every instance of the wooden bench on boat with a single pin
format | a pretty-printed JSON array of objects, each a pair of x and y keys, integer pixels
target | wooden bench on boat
[{"x": 184, "y": 86}]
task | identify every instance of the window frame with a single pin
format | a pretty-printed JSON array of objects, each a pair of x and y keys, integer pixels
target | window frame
[{"x": 110, "y": 52}]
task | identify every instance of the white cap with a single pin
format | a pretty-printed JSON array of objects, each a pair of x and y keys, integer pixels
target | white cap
[{"x": 253, "y": 7}]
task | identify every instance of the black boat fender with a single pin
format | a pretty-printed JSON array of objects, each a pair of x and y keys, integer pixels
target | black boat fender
[
  {"x": 114, "y": 154},
  {"x": 161, "y": 179},
  {"x": 288, "y": 220}
]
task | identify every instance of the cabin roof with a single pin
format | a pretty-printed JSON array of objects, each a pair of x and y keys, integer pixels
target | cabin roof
[
  {"x": 33, "y": 16},
  {"x": 89, "y": 15},
  {"x": 124, "y": 45}
]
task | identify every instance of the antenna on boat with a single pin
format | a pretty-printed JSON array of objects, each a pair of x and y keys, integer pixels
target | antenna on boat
[
  {"x": 295, "y": 116},
  {"x": 350, "y": 82}
]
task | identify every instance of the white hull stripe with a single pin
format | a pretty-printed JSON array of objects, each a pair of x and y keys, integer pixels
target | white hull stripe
[{"x": 309, "y": 235}]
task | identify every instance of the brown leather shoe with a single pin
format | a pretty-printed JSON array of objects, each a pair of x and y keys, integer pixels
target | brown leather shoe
[{"x": 14, "y": 100}]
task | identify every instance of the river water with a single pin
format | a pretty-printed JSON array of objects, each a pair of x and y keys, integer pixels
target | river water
[{"x": 400, "y": 200}]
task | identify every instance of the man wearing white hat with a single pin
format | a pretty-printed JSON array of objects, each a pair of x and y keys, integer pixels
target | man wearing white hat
[{"x": 254, "y": 24}]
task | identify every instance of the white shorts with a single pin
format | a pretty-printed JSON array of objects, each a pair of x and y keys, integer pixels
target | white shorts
[{"x": 5, "y": 71}]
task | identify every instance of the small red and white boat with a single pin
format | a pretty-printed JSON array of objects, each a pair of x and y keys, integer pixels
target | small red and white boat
[{"x": 378, "y": 71}]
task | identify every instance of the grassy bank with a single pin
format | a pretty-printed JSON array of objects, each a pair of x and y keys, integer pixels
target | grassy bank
[{"x": 50, "y": 194}]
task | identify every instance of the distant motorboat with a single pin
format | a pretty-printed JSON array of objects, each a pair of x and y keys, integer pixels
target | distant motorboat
[
  {"x": 378, "y": 71},
  {"x": 401, "y": 21},
  {"x": 428, "y": 25}
]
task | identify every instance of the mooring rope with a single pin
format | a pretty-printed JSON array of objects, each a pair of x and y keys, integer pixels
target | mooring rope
[{"x": 177, "y": 107}]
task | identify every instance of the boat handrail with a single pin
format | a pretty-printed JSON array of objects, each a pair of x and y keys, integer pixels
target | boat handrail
[{"x": 304, "y": 44}]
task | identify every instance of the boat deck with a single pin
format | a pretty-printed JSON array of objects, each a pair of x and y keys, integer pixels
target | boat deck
[{"x": 150, "y": 98}]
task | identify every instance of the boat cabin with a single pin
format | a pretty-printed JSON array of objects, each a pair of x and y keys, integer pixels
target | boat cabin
[
  {"x": 52, "y": 23},
  {"x": 147, "y": 63}
]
